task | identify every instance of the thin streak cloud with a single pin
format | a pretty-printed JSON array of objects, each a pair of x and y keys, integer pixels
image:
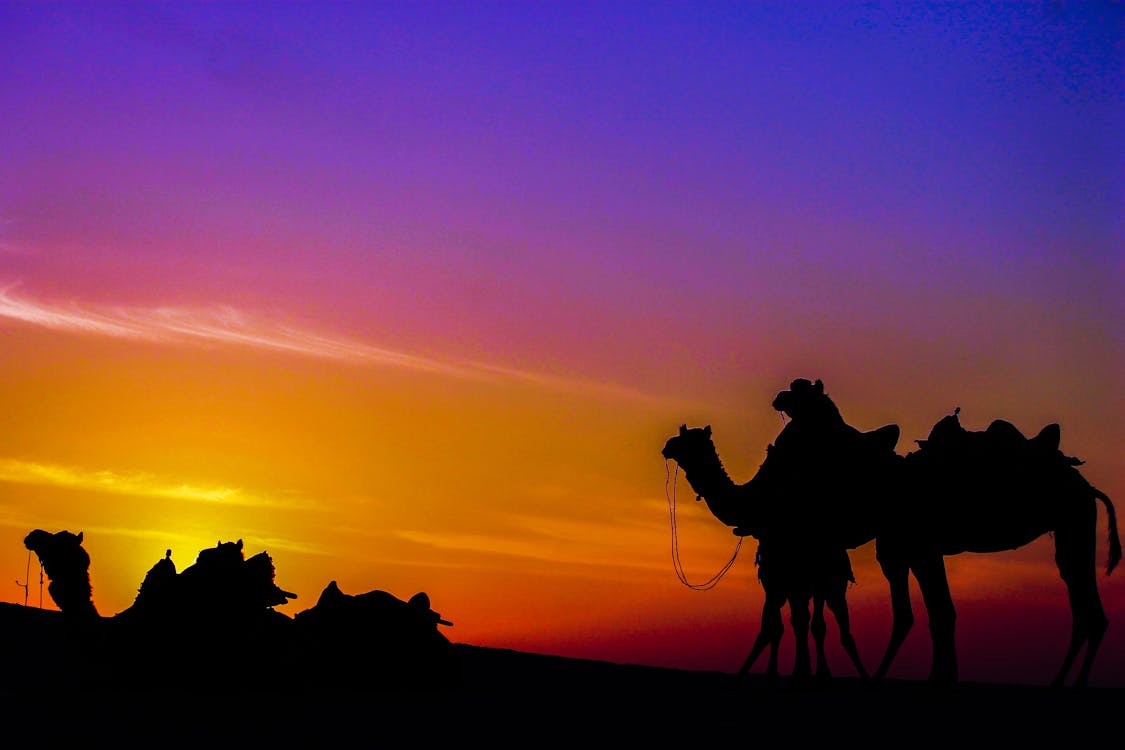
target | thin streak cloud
[
  {"x": 520, "y": 547},
  {"x": 135, "y": 484},
  {"x": 231, "y": 326}
]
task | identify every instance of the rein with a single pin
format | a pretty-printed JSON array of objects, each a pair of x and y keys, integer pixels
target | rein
[{"x": 670, "y": 495}]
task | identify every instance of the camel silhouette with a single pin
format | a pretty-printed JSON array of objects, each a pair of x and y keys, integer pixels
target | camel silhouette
[
  {"x": 357, "y": 639},
  {"x": 220, "y": 581},
  {"x": 794, "y": 568},
  {"x": 67, "y": 565},
  {"x": 961, "y": 491},
  {"x": 218, "y": 612}
]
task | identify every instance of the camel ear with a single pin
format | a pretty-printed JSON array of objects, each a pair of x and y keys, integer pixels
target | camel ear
[
  {"x": 80, "y": 537},
  {"x": 707, "y": 430},
  {"x": 240, "y": 544},
  {"x": 683, "y": 429},
  {"x": 819, "y": 386}
]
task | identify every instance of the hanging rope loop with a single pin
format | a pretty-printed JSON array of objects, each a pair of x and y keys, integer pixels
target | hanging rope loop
[{"x": 670, "y": 478}]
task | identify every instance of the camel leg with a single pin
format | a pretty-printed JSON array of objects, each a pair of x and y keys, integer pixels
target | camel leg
[
  {"x": 1074, "y": 555},
  {"x": 775, "y": 649},
  {"x": 898, "y": 576},
  {"x": 799, "y": 619},
  {"x": 819, "y": 630},
  {"x": 838, "y": 603},
  {"x": 934, "y": 585},
  {"x": 769, "y": 634}
]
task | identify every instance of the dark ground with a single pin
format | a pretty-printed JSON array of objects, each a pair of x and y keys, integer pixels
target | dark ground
[{"x": 513, "y": 699}]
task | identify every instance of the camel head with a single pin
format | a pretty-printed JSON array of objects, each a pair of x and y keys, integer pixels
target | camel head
[
  {"x": 67, "y": 564},
  {"x": 694, "y": 451},
  {"x": 45, "y": 544},
  {"x": 806, "y": 401},
  {"x": 688, "y": 443}
]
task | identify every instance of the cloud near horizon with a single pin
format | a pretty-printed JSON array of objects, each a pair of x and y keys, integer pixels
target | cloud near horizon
[
  {"x": 135, "y": 484},
  {"x": 575, "y": 543},
  {"x": 225, "y": 324}
]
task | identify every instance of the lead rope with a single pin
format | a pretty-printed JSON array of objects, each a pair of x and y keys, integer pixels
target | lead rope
[
  {"x": 670, "y": 494},
  {"x": 26, "y": 579}
]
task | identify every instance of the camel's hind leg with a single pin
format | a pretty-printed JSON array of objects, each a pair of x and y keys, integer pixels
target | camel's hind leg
[
  {"x": 800, "y": 620},
  {"x": 898, "y": 576},
  {"x": 1074, "y": 555},
  {"x": 769, "y": 634},
  {"x": 838, "y": 603}
]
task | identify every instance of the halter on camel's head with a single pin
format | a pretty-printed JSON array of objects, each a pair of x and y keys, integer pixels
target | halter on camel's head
[
  {"x": 806, "y": 401},
  {"x": 58, "y": 552},
  {"x": 67, "y": 564},
  {"x": 688, "y": 443}
]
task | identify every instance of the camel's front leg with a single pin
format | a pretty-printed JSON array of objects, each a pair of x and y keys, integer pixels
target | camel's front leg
[
  {"x": 799, "y": 619},
  {"x": 838, "y": 603},
  {"x": 897, "y": 575},
  {"x": 768, "y": 635}
]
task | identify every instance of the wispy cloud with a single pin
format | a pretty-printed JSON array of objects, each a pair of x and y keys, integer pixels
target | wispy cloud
[
  {"x": 583, "y": 544},
  {"x": 136, "y": 484},
  {"x": 232, "y": 326}
]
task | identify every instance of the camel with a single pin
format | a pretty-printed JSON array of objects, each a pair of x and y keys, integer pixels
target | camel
[
  {"x": 960, "y": 492},
  {"x": 389, "y": 637},
  {"x": 794, "y": 568},
  {"x": 67, "y": 565},
  {"x": 219, "y": 612}
]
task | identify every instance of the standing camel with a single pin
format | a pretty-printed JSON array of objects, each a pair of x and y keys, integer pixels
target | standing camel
[
  {"x": 794, "y": 565},
  {"x": 955, "y": 494}
]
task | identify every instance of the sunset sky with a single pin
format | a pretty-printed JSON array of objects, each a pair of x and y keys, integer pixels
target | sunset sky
[{"x": 410, "y": 295}]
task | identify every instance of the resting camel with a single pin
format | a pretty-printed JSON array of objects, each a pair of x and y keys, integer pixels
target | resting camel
[
  {"x": 218, "y": 612},
  {"x": 67, "y": 565},
  {"x": 955, "y": 494}
]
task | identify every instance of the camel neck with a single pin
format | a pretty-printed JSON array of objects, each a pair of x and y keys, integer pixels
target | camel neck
[{"x": 710, "y": 481}]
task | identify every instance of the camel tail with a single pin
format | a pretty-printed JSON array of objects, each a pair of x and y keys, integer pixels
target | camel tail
[{"x": 1114, "y": 540}]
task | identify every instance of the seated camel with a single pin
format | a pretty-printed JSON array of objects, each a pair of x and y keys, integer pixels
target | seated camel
[
  {"x": 67, "y": 565},
  {"x": 374, "y": 639}
]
